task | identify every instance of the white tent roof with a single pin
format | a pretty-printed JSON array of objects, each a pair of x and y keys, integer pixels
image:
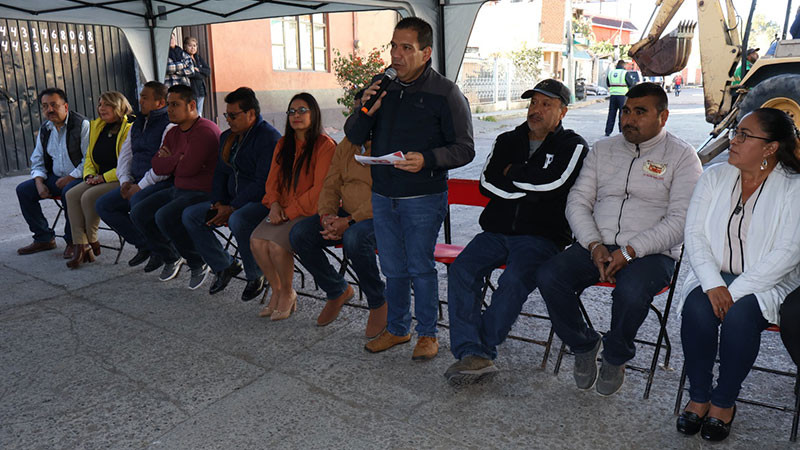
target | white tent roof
[{"x": 148, "y": 23}]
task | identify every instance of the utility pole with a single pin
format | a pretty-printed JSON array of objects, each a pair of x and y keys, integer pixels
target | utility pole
[{"x": 569, "y": 74}]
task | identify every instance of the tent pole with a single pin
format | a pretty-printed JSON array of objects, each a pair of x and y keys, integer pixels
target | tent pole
[
  {"x": 151, "y": 25},
  {"x": 442, "y": 58}
]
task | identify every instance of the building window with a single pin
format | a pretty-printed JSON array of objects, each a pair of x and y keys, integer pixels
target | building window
[{"x": 300, "y": 43}]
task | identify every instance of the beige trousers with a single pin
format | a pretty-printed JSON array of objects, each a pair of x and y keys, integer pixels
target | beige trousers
[{"x": 83, "y": 216}]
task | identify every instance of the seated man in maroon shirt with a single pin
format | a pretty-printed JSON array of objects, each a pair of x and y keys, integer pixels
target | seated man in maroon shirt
[{"x": 189, "y": 155}]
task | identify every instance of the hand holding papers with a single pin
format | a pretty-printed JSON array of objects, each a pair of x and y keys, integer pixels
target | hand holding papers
[{"x": 380, "y": 160}]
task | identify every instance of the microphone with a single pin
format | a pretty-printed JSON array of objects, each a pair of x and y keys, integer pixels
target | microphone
[{"x": 388, "y": 77}]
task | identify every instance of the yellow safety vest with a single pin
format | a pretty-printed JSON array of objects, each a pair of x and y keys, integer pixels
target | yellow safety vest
[{"x": 616, "y": 82}]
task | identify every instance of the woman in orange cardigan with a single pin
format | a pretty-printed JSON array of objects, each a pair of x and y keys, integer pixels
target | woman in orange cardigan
[{"x": 299, "y": 165}]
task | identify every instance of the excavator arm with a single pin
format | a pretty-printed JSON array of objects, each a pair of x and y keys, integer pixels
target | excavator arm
[{"x": 720, "y": 48}]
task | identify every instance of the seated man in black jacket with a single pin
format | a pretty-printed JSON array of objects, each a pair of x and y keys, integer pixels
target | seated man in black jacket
[
  {"x": 245, "y": 157},
  {"x": 527, "y": 178}
]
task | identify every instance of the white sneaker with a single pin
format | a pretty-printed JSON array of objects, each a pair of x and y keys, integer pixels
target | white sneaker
[
  {"x": 199, "y": 277},
  {"x": 170, "y": 270}
]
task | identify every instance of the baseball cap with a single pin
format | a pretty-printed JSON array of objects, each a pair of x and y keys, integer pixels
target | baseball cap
[
  {"x": 551, "y": 88},
  {"x": 752, "y": 50}
]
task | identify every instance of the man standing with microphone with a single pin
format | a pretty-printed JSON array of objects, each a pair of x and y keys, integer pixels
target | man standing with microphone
[{"x": 425, "y": 116}]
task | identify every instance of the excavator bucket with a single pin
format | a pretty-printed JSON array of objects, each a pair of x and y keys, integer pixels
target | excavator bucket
[{"x": 667, "y": 55}]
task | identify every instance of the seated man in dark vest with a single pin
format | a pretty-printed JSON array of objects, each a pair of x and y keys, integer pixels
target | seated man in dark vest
[
  {"x": 134, "y": 170},
  {"x": 56, "y": 166}
]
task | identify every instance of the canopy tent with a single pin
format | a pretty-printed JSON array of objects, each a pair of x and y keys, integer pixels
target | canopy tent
[{"x": 147, "y": 24}]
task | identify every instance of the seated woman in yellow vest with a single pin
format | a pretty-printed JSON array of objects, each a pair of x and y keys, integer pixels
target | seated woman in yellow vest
[{"x": 107, "y": 133}]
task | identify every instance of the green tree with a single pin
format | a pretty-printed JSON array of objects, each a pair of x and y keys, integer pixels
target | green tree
[
  {"x": 527, "y": 61},
  {"x": 762, "y": 32},
  {"x": 354, "y": 72}
]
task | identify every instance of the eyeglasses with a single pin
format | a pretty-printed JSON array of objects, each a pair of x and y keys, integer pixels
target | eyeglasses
[
  {"x": 232, "y": 115},
  {"x": 301, "y": 110},
  {"x": 741, "y": 136}
]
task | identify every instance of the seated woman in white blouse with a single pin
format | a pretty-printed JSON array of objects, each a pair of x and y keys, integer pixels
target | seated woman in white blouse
[{"x": 742, "y": 241}]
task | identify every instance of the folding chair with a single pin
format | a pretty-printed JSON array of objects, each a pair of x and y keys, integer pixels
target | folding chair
[
  {"x": 795, "y": 411},
  {"x": 59, "y": 203},
  {"x": 661, "y": 341},
  {"x": 467, "y": 192}
]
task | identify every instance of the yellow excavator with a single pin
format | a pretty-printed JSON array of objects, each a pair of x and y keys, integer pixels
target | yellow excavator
[{"x": 772, "y": 81}]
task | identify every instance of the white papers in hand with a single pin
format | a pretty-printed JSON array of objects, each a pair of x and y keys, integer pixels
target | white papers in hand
[{"x": 380, "y": 160}]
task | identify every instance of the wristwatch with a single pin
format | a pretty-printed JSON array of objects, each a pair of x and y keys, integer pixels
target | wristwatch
[
  {"x": 351, "y": 222},
  {"x": 625, "y": 254}
]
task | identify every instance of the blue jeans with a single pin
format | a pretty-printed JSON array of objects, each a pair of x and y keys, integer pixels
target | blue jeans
[
  {"x": 406, "y": 230},
  {"x": 241, "y": 223},
  {"x": 473, "y": 333},
  {"x": 572, "y": 271},
  {"x": 358, "y": 243},
  {"x": 29, "y": 199},
  {"x": 159, "y": 218},
  {"x": 115, "y": 212},
  {"x": 615, "y": 104},
  {"x": 739, "y": 338}
]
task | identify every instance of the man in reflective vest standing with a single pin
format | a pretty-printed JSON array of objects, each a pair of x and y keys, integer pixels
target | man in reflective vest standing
[{"x": 617, "y": 87}]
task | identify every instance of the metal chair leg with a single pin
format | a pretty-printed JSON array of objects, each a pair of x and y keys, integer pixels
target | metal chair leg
[
  {"x": 681, "y": 385},
  {"x": 796, "y": 419}
]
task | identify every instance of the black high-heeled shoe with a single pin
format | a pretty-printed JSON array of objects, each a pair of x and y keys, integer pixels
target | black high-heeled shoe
[
  {"x": 689, "y": 423},
  {"x": 714, "y": 429}
]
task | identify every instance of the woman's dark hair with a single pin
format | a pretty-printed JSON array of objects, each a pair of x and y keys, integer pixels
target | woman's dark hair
[
  {"x": 779, "y": 127},
  {"x": 290, "y": 172}
]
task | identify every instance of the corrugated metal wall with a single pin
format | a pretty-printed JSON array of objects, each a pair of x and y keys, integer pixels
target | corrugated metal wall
[{"x": 84, "y": 60}]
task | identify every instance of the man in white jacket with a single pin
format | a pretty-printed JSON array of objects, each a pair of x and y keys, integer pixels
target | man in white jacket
[{"x": 627, "y": 211}]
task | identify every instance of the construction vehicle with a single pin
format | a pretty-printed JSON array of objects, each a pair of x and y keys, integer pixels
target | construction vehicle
[{"x": 772, "y": 81}]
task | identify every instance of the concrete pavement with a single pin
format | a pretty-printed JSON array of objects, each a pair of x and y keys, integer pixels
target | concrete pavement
[{"x": 109, "y": 357}]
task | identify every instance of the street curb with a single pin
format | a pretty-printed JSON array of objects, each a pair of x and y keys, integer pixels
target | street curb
[{"x": 517, "y": 113}]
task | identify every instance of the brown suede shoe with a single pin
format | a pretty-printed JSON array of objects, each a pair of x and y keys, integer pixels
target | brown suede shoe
[
  {"x": 376, "y": 322},
  {"x": 386, "y": 341},
  {"x": 427, "y": 348},
  {"x": 69, "y": 251},
  {"x": 36, "y": 247},
  {"x": 95, "y": 247},
  {"x": 332, "y": 307}
]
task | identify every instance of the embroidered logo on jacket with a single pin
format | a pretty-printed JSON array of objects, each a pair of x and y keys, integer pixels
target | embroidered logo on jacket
[
  {"x": 548, "y": 160},
  {"x": 654, "y": 169}
]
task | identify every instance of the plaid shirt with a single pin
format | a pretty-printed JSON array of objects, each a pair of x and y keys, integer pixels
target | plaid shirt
[{"x": 178, "y": 71}]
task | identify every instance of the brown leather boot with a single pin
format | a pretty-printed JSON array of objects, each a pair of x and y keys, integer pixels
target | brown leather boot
[
  {"x": 36, "y": 247},
  {"x": 386, "y": 341},
  {"x": 376, "y": 321},
  {"x": 332, "y": 307},
  {"x": 427, "y": 348},
  {"x": 83, "y": 253},
  {"x": 69, "y": 251}
]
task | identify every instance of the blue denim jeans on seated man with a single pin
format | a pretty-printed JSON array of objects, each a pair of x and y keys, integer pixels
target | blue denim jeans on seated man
[
  {"x": 241, "y": 223},
  {"x": 115, "y": 212},
  {"x": 476, "y": 333},
  {"x": 738, "y": 338},
  {"x": 571, "y": 271},
  {"x": 159, "y": 218},
  {"x": 406, "y": 230},
  {"x": 358, "y": 243},
  {"x": 29, "y": 199}
]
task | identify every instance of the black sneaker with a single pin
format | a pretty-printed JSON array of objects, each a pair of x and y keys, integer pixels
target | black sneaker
[
  {"x": 253, "y": 289},
  {"x": 140, "y": 257},
  {"x": 199, "y": 276},
  {"x": 224, "y": 277},
  {"x": 171, "y": 269},
  {"x": 154, "y": 263}
]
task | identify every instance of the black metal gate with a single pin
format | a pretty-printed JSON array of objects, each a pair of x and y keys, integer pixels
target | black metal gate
[{"x": 84, "y": 60}]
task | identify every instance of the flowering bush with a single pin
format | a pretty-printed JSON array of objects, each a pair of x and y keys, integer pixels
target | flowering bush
[{"x": 354, "y": 72}]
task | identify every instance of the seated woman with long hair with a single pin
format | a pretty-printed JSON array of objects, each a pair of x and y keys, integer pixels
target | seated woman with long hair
[
  {"x": 107, "y": 133},
  {"x": 299, "y": 165},
  {"x": 742, "y": 241}
]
